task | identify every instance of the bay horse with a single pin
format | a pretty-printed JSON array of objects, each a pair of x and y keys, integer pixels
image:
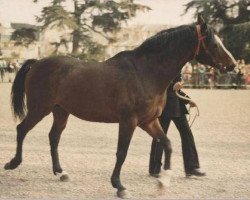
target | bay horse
[{"x": 129, "y": 89}]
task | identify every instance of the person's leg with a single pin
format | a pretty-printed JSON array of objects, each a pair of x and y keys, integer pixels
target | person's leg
[
  {"x": 189, "y": 151},
  {"x": 157, "y": 150}
]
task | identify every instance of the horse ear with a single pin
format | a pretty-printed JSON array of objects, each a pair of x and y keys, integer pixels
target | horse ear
[{"x": 202, "y": 23}]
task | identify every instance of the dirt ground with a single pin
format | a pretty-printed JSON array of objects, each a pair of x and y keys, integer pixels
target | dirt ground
[{"x": 87, "y": 152}]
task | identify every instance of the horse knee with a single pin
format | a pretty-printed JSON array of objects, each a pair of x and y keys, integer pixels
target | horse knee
[
  {"x": 19, "y": 128},
  {"x": 20, "y": 131}
]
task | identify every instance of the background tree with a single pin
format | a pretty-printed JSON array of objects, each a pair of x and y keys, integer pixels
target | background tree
[
  {"x": 232, "y": 20},
  {"x": 24, "y": 36},
  {"x": 89, "y": 17},
  {"x": 63, "y": 42}
]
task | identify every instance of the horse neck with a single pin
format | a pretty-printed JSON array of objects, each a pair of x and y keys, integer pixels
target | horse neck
[{"x": 162, "y": 67}]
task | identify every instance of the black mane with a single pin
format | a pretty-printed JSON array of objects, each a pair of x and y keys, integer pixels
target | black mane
[
  {"x": 162, "y": 39},
  {"x": 182, "y": 37}
]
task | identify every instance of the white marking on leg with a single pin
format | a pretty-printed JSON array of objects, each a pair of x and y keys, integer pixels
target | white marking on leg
[
  {"x": 124, "y": 194},
  {"x": 164, "y": 178},
  {"x": 61, "y": 174}
]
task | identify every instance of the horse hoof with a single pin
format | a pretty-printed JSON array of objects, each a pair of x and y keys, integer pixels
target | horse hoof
[
  {"x": 164, "y": 178},
  {"x": 7, "y": 166},
  {"x": 123, "y": 194},
  {"x": 63, "y": 176},
  {"x": 11, "y": 165}
]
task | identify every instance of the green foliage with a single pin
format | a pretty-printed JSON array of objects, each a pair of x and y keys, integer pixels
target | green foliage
[
  {"x": 94, "y": 52},
  {"x": 232, "y": 18},
  {"x": 88, "y": 18},
  {"x": 63, "y": 42},
  {"x": 56, "y": 16},
  {"x": 112, "y": 13},
  {"x": 237, "y": 37},
  {"x": 24, "y": 36}
]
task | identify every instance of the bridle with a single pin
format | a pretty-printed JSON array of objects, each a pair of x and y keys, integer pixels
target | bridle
[
  {"x": 201, "y": 41},
  {"x": 200, "y": 38}
]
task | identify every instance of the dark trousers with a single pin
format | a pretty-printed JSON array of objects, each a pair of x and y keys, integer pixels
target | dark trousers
[{"x": 189, "y": 152}]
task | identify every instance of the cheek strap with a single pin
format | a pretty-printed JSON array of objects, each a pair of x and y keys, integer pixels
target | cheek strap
[{"x": 201, "y": 40}]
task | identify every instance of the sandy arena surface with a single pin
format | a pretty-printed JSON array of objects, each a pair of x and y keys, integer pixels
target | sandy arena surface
[{"x": 87, "y": 151}]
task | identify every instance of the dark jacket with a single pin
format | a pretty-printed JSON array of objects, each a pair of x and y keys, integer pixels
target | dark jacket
[{"x": 175, "y": 107}]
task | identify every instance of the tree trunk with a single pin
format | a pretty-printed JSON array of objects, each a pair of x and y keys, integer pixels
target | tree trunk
[
  {"x": 76, "y": 33},
  {"x": 76, "y": 42}
]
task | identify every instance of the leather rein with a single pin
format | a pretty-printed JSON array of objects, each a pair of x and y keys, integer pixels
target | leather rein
[{"x": 197, "y": 108}]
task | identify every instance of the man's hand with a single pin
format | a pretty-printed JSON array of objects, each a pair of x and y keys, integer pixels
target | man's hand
[
  {"x": 177, "y": 86},
  {"x": 192, "y": 104}
]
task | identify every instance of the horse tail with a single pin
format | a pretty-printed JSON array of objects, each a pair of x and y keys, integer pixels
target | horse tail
[{"x": 18, "y": 89}]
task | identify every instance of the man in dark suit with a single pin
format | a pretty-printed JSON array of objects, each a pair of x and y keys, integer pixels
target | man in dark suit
[{"x": 175, "y": 110}]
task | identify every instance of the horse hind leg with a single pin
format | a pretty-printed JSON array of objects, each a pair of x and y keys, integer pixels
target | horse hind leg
[
  {"x": 23, "y": 128},
  {"x": 59, "y": 124}
]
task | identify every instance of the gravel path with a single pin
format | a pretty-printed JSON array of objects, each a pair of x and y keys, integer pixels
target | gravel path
[{"x": 87, "y": 152}]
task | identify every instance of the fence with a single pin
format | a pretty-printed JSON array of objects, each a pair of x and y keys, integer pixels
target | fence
[
  {"x": 191, "y": 80},
  {"x": 208, "y": 80},
  {"x": 7, "y": 75}
]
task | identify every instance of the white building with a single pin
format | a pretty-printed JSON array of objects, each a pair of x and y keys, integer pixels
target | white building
[{"x": 127, "y": 39}]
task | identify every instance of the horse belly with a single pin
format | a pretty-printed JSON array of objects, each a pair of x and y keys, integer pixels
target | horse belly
[
  {"x": 94, "y": 115},
  {"x": 90, "y": 106}
]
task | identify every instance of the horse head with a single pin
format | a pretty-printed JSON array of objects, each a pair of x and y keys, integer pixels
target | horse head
[{"x": 210, "y": 49}]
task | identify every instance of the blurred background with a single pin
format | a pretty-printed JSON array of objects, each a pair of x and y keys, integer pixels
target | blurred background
[{"x": 94, "y": 30}]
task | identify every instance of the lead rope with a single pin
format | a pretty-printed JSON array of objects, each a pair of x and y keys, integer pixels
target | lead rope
[{"x": 197, "y": 108}]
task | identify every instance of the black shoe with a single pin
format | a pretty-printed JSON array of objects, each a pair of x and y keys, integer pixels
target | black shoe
[
  {"x": 195, "y": 172},
  {"x": 154, "y": 175}
]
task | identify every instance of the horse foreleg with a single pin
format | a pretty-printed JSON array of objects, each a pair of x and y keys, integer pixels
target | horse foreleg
[
  {"x": 154, "y": 129},
  {"x": 59, "y": 124},
  {"x": 126, "y": 129}
]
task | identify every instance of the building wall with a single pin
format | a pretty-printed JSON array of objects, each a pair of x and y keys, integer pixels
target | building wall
[{"x": 10, "y": 50}]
